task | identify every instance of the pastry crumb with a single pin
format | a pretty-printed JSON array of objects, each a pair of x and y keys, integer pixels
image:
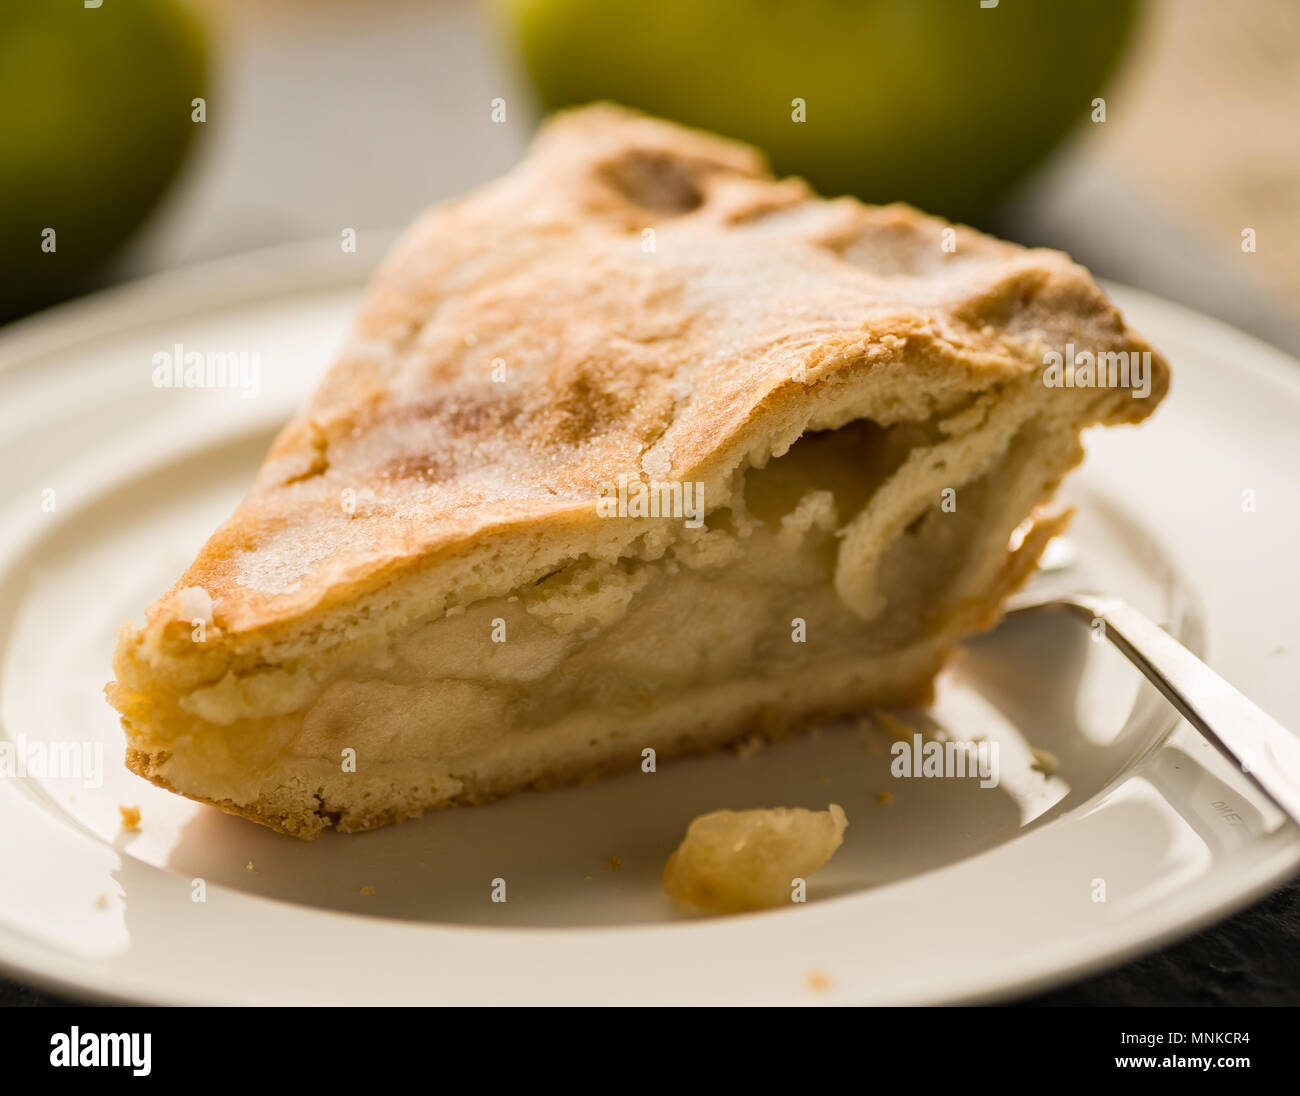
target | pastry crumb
[
  {"x": 249, "y": 866},
  {"x": 130, "y": 818},
  {"x": 817, "y": 980},
  {"x": 101, "y": 903},
  {"x": 367, "y": 890},
  {"x": 748, "y": 747},
  {"x": 613, "y": 863},
  {"x": 732, "y": 861},
  {"x": 1045, "y": 761},
  {"x": 884, "y": 797}
]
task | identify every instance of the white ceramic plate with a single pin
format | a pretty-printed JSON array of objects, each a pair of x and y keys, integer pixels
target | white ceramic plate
[{"x": 945, "y": 893}]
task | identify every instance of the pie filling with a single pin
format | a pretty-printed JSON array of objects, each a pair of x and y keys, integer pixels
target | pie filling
[{"x": 858, "y": 548}]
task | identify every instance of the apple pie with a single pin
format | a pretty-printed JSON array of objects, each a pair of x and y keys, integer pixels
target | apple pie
[{"x": 635, "y": 449}]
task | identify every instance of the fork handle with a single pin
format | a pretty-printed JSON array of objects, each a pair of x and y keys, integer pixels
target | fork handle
[{"x": 1266, "y": 751}]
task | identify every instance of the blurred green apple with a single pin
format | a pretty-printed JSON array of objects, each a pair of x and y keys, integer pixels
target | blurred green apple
[
  {"x": 942, "y": 103},
  {"x": 95, "y": 119}
]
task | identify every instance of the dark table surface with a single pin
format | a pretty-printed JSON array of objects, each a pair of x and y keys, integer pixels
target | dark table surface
[{"x": 1250, "y": 959}]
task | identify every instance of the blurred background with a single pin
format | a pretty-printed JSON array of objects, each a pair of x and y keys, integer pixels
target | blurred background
[{"x": 1143, "y": 138}]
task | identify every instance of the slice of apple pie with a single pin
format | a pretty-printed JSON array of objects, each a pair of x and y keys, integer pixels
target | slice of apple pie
[{"x": 635, "y": 448}]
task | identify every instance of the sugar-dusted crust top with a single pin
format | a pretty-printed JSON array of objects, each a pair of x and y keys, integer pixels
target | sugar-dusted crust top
[{"x": 634, "y": 298}]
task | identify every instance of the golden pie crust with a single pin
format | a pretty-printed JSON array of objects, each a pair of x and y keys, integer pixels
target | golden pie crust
[{"x": 639, "y": 300}]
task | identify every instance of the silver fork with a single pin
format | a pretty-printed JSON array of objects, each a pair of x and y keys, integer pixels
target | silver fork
[{"x": 1266, "y": 751}]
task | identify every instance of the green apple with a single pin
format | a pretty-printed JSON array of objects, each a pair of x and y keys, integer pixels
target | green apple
[
  {"x": 942, "y": 103},
  {"x": 95, "y": 120}
]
